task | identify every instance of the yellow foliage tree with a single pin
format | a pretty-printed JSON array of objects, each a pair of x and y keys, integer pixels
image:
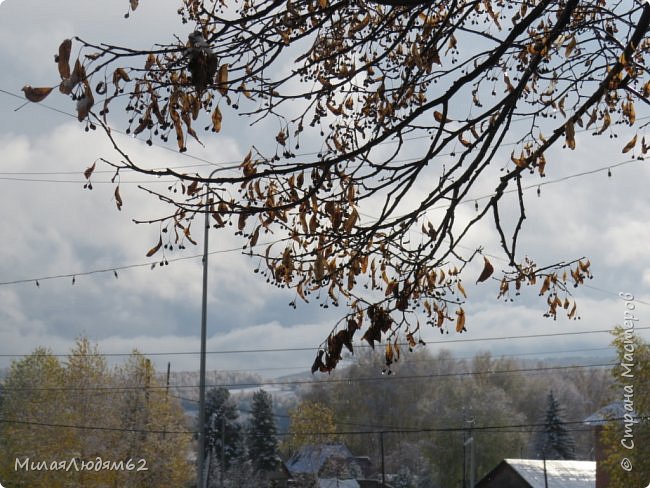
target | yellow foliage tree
[
  {"x": 311, "y": 423},
  {"x": 59, "y": 417},
  {"x": 33, "y": 398},
  {"x": 627, "y": 439}
]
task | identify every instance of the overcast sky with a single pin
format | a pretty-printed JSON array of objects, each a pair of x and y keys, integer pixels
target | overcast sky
[{"x": 52, "y": 227}]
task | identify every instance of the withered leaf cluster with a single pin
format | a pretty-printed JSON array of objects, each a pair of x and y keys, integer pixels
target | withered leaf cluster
[{"x": 411, "y": 101}]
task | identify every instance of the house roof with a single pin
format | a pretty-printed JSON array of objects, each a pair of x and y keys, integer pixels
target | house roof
[
  {"x": 613, "y": 410},
  {"x": 560, "y": 474},
  {"x": 335, "y": 483},
  {"x": 311, "y": 458}
]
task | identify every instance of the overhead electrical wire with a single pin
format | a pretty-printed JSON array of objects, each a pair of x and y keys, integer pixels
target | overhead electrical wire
[
  {"x": 429, "y": 360},
  {"x": 186, "y": 155},
  {"x": 328, "y": 382},
  {"x": 235, "y": 165},
  {"x": 207, "y": 162},
  {"x": 94, "y": 427},
  {"x": 315, "y": 348},
  {"x": 152, "y": 264},
  {"x": 114, "y": 269},
  {"x": 421, "y": 430},
  {"x": 376, "y": 427}
]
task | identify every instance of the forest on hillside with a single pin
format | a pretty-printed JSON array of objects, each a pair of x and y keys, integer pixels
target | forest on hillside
[
  {"x": 427, "y": 407},
  {"x": 431, "y": 405},
  {"x": 421, "y": 422}
]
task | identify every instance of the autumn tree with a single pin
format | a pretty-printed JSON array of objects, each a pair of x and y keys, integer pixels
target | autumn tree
[
  {"x": 627, "y": 439},
  {"x": 311, "y": 423},
  {"x": 32, "y": 394},
  {"x": 81, "y": 409},
  {"x": 155, "y": 418},
  {"x": 340, "y": 203}
]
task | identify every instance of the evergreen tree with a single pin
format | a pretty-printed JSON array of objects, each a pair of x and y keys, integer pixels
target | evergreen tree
[
  {"x": 213, "y": 467},
  {"x": 404, "y": 478},
  {"x": 553, "y": 441},
  {"x": 224, "y": 435},
  {"x": 262, "y": 434}
]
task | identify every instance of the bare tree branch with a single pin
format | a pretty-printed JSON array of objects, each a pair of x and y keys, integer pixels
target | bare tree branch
[{"x": 365, "y": 80}]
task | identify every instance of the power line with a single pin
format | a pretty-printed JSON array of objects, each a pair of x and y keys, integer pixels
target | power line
[
  {"x": 114, "y": 269},
  {"x": 376, "y": 427},
  {"x": 329, "y": 381},
  {"x": 313, "y": 348},
  {"x": 166, "y": 148},
  {"x": 95, "y": 427},
  {"x": 421, "y": 430},
  {"x": 235, "y": 165},
  {"x": 152, "y": 264},
  {"x": 431, "y": 360},
  {"x": 81, "y": 181},
  {"x": 549, "y": 182}
]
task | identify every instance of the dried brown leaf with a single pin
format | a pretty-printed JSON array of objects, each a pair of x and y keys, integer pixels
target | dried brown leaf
[
  {"x": 36, "y": 94},
  {"x": 222, "y": 79},
  {"x": 440, "y": 118},
  {"x": 118, "y": 198},
  {"x": 216, "y": 119},
  {"x": 85, "y": 103},
  {"x": 186, "y": 231},
  {"x": 120, "y": 74},
  {"x": 155, "y": 249},
  {"x": 63, "y": 58},
  {"x": 460, "y": 320},
  {"x": 545, "y": 285},
  {"x": 630, "y": 145},
  {"x": 461, "y": 289},
  {"x": 488, "y": 269},
  {"x": 89, "y": 170},
  {"x": 570, "y": 46},
  {"x": 241, "y": 223},
  {"x": 570, "y": 133}
]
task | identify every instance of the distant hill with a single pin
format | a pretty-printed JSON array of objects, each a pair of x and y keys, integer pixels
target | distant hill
[{"x": 242, "y": 385}]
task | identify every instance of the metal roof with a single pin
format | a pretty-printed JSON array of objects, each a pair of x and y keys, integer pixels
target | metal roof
[
  {"x": 334, "y": 483},
  {"x": 560, "y": 474},
  {"x": 310, "y": 458},
  {"x": 613, "y": 410}
]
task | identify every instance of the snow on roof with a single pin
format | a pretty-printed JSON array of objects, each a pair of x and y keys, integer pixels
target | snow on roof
[
  {"x": 334, "y": 483},
  {"x": 613, "y": 410},
  {"x": 310, "y": 458},
  {"x": 560, "y": 474}
]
